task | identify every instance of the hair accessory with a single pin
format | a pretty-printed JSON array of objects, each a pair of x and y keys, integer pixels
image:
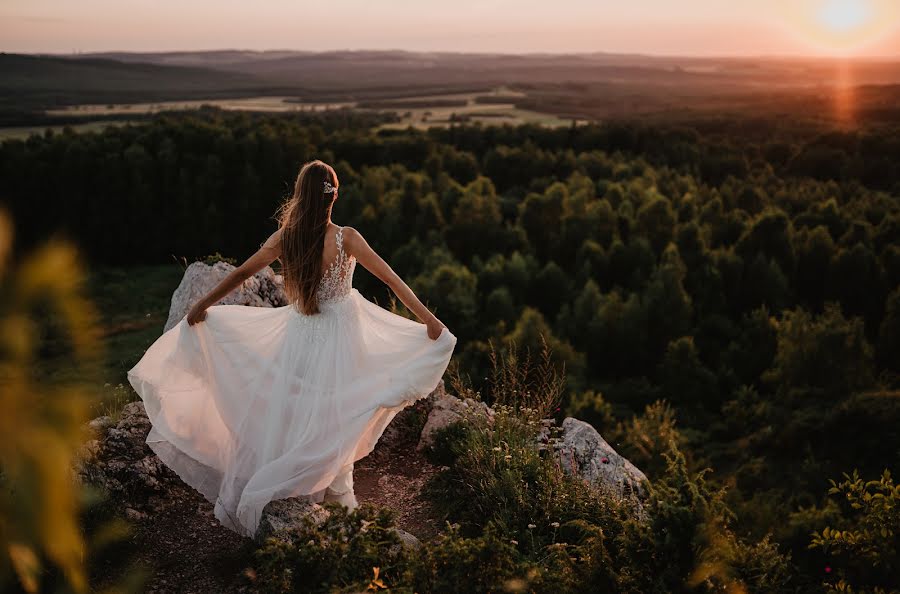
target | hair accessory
[{"x": 328, "y": 188}]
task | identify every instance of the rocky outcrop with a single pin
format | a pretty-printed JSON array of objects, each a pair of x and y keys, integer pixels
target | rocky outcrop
[
  {"x": 264, "y": 289},
  {"x": 582, "y": 451},
  {"x": 118, "y": 459}
]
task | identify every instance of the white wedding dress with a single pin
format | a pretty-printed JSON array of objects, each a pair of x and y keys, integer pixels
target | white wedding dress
[{"x": 256, "y": 404}]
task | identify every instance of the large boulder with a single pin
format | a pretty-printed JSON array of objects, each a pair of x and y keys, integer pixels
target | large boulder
[
  {"x": 582, "y": 451},
  {"x": 264, "y": 289}
]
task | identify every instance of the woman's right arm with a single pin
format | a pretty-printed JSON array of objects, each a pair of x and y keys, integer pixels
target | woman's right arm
[
  {"x": 265, "y": 255},
  {"x": 355, "y": 245}
]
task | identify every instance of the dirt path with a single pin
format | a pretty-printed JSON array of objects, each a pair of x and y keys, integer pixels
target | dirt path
[{"x": 393, "y": 478}]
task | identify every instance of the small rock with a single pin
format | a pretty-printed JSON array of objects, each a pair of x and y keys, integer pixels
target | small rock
[
  {"x": 407, "y": 540},
  {"x": 280, "y": 515},
  {"x": 446, "y": 411},
  {"x": 134, "y": 515}
]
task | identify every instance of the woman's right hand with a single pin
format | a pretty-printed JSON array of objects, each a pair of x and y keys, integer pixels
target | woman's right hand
[
  {"x": 434, "y": 326},
  {"x": 196, "y": 314}
]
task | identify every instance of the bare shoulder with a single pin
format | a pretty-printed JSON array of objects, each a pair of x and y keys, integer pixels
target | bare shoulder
[{"x": 353, "y": 240}]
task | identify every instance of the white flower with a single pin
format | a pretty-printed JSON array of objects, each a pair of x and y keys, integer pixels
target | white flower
[
  {"x": 554, "y": 524},
  {"x": 531, "y": 526}
]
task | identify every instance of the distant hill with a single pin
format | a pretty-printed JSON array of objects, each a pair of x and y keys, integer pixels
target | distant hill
[
  {"x": 587, "y": 86},
  {"x": 50, "y": 80},
  {"x": 349, "y": 69}
]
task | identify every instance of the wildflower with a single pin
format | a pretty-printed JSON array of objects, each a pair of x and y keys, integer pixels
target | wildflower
[
  {"x": 554, "y": 524},
  {"x": 605, "y": 460},
  {"x": 828, "y": 569},
  {"x": 513, "y": 541},
  {"x": 531, "y": 526}
]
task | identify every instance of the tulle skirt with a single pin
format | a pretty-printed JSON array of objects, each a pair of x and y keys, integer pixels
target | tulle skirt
[{"x": 256, "y": 404}]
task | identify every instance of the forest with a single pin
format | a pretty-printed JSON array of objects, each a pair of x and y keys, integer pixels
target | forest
[{"x": 729, "y": 285}]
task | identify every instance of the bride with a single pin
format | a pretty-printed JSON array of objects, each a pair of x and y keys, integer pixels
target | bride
[{"x": 253, "y": 404}]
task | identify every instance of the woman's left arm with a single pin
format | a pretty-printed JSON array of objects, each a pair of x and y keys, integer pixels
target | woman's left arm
[{"x": 265, "y": 255}]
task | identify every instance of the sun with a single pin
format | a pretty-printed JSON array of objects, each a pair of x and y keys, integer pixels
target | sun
[{"x": 840, "y": 26}]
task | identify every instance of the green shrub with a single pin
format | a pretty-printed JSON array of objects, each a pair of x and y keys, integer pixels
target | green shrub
[
  {"x": 454, "y": 564},
  {"x": 217, "y": 257},
  {"x": 341, "y": 554},
  {"x": 865, "y": 545},
  {"x": 686, "y": 544},
  {"x": 504, "y": 479}
]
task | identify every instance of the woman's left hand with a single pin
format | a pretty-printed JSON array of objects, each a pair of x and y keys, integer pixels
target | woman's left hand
[
  {"x": 434, "y": 327},
  {"x": 197, "y": 313}
]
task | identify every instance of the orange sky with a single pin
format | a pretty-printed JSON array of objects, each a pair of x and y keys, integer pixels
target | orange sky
[{"x": 682, "y": 27}]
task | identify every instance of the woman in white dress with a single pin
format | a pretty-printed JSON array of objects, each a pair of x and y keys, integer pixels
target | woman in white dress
[{"x": 253, "y": 404}]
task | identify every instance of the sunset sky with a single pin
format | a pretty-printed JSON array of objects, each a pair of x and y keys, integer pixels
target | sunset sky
[{"x": 679, "y": 27}]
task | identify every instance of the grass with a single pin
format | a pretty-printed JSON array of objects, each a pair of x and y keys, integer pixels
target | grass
[{"x": 132, "y": 305}]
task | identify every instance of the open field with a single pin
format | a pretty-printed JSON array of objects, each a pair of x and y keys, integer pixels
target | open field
[
  {"x": 268, "y": 104},
  {"x": 494, "y": 107}
]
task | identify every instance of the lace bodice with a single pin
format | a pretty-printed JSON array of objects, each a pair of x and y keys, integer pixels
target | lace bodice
[{"x": 338, "y": 277}]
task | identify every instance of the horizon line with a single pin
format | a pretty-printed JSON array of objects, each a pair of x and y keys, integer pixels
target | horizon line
[{"x": 774, "y": 56}]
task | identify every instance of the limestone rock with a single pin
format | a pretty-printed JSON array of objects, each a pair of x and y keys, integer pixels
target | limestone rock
[
  {"x": 120, "y": 460},
  {"x": 407, "y": 540},
  {"x": 448, "y": 409},
  {"x": 583, "y": 451},
  {"x": 280, "y": 515},
  {"x": 264, "y": 289},
  {"x": 406, "y": 427}
]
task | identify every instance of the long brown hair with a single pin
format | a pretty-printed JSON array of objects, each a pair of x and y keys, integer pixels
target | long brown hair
[{"x": 304, "y": 220}]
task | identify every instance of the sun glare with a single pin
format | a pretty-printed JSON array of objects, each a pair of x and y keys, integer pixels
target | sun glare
[
  {"x": 841, "y": 27},
  {"x": 845, "y": 15}
]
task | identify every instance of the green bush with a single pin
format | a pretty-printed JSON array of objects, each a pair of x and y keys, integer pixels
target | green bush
[
  {"x": 345, "y": 553},
  {"x": 864, "y": 546},
  {"x": 505, "y": 481},
  {"x": 455, "y": 564},
  {"x": 216, "y": 258}
]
